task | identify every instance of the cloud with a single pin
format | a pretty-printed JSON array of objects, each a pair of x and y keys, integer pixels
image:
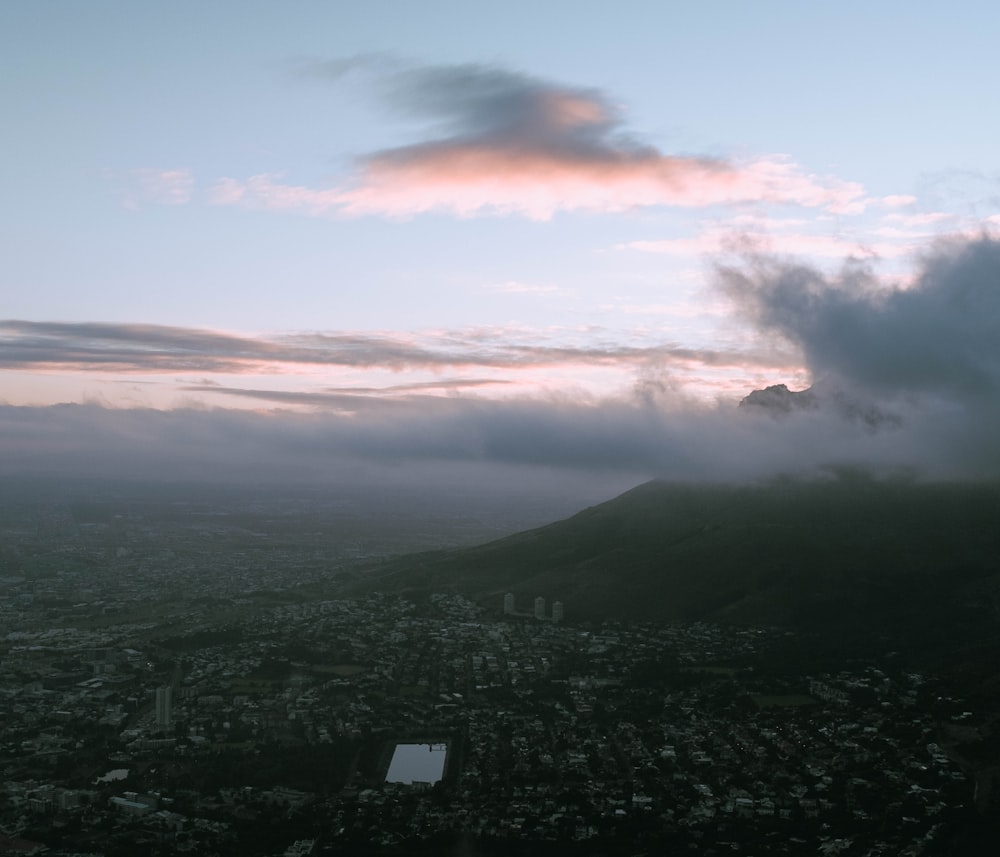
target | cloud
[
  {"x": 928, "y": 218},
  {"x": 924, "y": 350},
  {"x": 925, "y": 356},
  {"x": 648, "y": 433},
  {"x": 896, "y": 200},
  {"x": 762, "y": 235},
  {"x": 125, "y": 348},
  {"x": 723, "y": 240},
  {"x": 443, "y": 384},
  {"x": 348, "y": 399},
  {"x": 635, "y": 437},
  {"x": 504, "y": 142},
  {"x": 165, "y": 187},
  {"x": 135, "y": 348}
]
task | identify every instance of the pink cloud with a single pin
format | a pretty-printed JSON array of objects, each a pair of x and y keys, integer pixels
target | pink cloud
[
  {"x": 227, "y": 192},
  {"x": 925, "y": 219},
  {"x": 341, "y": 371},
  {"x": 166, "y": 187},
  {"x": 469, "y": 180},
  {"x": 897, "y": 200},
  {"x": 158, "y": 350},
  {"x": 515, "y": 144}
]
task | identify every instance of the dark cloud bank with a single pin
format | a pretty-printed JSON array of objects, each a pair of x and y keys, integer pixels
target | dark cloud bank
[{"x": 908, "y": 381}]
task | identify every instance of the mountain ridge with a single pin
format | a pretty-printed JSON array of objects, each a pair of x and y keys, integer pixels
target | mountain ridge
[{"x": 844, "y": 553}]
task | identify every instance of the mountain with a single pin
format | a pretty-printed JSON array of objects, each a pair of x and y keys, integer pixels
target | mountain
[
  {"x": 778, "y": 401},
  {"x": 851, "y": 553}
]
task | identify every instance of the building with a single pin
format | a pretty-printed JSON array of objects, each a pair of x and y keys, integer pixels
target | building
[
  {"x": 539, "y": 607},
  {"x": 557, "y": 611},
  {"x": 508, "y": 603},
  {"x": 164, "y": 705}
]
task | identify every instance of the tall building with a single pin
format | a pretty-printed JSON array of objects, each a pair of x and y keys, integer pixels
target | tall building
[
  {"x": 164, "y": 705},
  {"x": 557, "y": 611},
  {"x": 539, "y": 607},
  {"x": 508, "y": 603}
]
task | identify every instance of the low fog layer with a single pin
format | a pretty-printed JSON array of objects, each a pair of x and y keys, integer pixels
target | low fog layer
[{"x": 907, "y": 380}]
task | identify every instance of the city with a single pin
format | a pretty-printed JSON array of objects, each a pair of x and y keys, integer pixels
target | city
[{"x": 161, "y": 718}]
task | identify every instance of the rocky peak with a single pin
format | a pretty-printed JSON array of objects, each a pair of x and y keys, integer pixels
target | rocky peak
[{"x": 779, "y": 399}]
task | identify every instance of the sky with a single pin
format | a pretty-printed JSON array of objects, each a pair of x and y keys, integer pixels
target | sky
[{"x": 505, "y": 241}]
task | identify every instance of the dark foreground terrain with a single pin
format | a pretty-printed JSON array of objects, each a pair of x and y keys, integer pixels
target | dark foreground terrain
[
  {"x": 852, "y": 554},
  {"x": 783, "y": 669}
]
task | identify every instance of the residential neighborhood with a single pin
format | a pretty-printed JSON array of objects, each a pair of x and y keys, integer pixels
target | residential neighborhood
[{"x": 271, "y": 734}]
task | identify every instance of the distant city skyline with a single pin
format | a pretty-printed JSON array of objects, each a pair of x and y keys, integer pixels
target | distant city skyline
[{"x": 563, "y": 237}]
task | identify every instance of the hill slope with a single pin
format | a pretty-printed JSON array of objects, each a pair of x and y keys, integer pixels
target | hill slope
[{"x": 848, "y": 553}]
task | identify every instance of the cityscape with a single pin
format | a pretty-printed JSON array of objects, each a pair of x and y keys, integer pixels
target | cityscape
[{"x": 160, "y": 720}]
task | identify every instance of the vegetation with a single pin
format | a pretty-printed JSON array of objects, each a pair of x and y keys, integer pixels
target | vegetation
[{"x": 861, "y": 556}]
